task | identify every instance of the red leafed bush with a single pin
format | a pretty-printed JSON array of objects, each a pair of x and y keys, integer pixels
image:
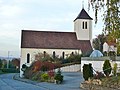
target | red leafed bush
[
  {"x": 51, "y": 73},
  {"x": 49, "y": 65},
  {"x": 37, "y": 66}
]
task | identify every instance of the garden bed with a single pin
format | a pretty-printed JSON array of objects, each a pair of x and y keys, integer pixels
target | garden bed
[{"x": 108, "y": 83}]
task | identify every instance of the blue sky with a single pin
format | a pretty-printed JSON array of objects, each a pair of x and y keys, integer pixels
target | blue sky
[{"x": 44, "y": 15}]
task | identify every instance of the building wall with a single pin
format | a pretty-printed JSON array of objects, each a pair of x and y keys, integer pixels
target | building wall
[
  {"x": 83, "y": 34},
  {"x": 97, "y": 63},
  {"x": 109, "y": 48},
  {"x": 33, "y": 52}
]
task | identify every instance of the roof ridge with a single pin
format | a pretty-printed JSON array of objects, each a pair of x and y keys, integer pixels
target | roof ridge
[{"x": 46, "y": 31}]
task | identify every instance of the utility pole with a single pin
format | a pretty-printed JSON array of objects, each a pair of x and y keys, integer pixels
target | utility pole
[{"x": 8, "y": 60}]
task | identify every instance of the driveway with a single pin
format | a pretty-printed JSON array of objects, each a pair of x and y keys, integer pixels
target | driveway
[{"x": 72, "y": 81}]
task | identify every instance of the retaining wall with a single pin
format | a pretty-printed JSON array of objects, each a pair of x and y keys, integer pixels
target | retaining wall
[{"x": 97, "y": 62}]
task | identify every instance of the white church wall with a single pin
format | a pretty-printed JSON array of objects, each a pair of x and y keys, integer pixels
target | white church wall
[{"x": 33, "y": 52}]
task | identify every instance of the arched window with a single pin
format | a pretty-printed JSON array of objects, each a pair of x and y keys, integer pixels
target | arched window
[
  {"x": 28, "y": 58},
  {"x": 44, "y": 53},
  {"x": 63, "y": 55},
  {"x": 72, "y": 53},
  {"x": 54, "y": 54}
]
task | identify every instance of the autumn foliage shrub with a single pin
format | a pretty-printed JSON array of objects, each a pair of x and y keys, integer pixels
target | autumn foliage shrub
[
  {"x": 39, "y": 66},
  {"x": 98, "y": 75},
  {"x": 28, "y": 73},
  {"x": 42, "y": 69},
  {"x": 51, "y": 73},
  {"x": 36, "y": 66},
  {"x": 36, "y": 76}
]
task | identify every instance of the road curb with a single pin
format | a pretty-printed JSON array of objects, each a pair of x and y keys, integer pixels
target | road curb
[{"x": 17, "y": 77}]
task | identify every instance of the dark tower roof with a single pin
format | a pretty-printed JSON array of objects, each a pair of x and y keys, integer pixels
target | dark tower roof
[{"x": 83, "y": 15}]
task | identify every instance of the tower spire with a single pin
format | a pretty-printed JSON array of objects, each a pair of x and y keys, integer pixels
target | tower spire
[{"x": 82, "y": 3}]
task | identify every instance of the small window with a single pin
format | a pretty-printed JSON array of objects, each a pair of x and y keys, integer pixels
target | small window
[
  {"x": 63, "y": 55},
  {"x": 85, "y": 25},
  {"x": 28, "y": 58},
  {"x": 82, "y": 25},
  {"x": 54, "y": 54}
]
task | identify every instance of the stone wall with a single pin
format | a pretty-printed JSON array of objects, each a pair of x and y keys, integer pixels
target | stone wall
[{"x": 71, "y": 68}]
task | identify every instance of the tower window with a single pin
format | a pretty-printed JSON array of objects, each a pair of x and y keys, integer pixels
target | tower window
[
  {"x": 85, "y": 25},
  {"x": 28, "y": 58},
  {"x": 82, "y": 25}
]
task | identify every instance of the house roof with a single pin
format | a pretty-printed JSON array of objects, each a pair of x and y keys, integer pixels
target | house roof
[
  {"x": 83, "y": 15},
  {"x": 111, "y": 43},
  {"x": 53, "y": 40}
]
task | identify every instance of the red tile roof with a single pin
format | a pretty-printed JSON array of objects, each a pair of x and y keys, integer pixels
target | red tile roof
[{"x": 53, "y": 40}]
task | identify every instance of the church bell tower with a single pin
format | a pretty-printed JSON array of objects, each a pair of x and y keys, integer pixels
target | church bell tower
[{"x": 83, "y": 26}]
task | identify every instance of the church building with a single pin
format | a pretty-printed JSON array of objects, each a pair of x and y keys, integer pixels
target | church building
[{"x": 57, "y": 43}]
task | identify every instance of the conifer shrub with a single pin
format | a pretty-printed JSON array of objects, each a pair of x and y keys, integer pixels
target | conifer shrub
[
  {"x": 107, "y": 67},
  {"x": 115, "y": 69},
  {"x": 58, "y": 77},
  {"x": 87, "y": 71}
]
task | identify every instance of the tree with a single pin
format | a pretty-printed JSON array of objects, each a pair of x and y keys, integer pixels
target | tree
[
  {"x": 16, "y": 62},
  {"x": 1, "y": 63},
  {"x": 95, "y": 43},
  {"x": 111, "y": 15},
  {"x": 99, "y": 41}
]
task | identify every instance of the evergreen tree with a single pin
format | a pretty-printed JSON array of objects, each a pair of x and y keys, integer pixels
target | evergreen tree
[{"x": 107, "y": 68}]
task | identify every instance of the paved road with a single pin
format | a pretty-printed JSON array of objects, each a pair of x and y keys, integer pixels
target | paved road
[
  {"x": 7, "y": 83},
  {"x": 71, "y": 82}
]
